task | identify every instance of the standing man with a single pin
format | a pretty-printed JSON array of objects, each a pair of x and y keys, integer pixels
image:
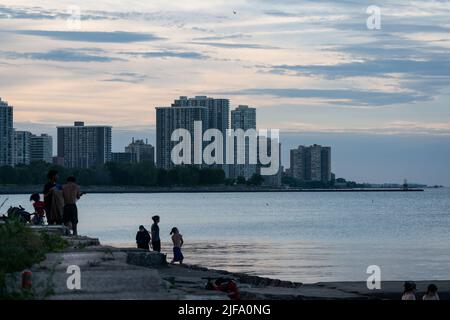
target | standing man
[
  {"x": 156, "y": 241},
  {"x": 49, "y": 188},
  {"x": 71, "y": 193}
]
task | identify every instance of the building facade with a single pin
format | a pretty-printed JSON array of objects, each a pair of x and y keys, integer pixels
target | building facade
[
  {"x": 243, "y": 118},
  {"x": 84, "y": 146},
  {"x": 311, "y": 163},
  {"x": 142, "y": 151},
  {"x": 22, "y": 147},
  {"x": 6, "y": 134},
  {"x": 41, "y": 148},
  {"x": 181, "y": 115},
  {"x": 123, "y": 157},
  {"x": 218, "y": 113}
]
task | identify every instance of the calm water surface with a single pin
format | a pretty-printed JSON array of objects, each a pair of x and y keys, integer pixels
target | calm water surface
[{"x": 307, "y": 237}]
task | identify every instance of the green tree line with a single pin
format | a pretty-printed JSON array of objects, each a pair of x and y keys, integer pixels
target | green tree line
[{"x": 117, "y": 174}]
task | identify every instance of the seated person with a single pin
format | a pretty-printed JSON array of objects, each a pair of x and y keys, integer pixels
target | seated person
[{"x": 39, "y": 208}]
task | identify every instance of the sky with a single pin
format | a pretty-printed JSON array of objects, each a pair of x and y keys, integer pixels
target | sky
[{"x": 313, "y": 69}]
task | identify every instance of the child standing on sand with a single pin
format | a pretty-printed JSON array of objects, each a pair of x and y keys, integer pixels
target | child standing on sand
[{"x": 177, "y": 240}]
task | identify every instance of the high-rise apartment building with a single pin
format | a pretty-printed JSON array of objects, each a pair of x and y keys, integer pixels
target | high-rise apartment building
[
  {"x": 6, "y": 134},
  {"x": 41, "y": 148},
  {"x": 243, "y": 118},
  {"x": 22, "y": 150},
  {"x": 213, "y": 113},
  {"x": 142, "y": 150},
  {"x": 84, "y": 146},
  {"x": 311, "y": 163}
]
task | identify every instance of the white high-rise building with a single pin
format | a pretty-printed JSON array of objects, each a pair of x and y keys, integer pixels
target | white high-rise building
[{"x": 6, "y": 134}]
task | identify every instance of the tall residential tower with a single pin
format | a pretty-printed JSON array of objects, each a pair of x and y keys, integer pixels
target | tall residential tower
[
  {"x": 6, "y": 134},
  {"x": 84, "y": 146}
]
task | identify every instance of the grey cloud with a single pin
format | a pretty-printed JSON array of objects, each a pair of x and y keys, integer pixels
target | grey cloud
[
  {"x": 89, "y": 36},
  {"x": 223, "y": 37},
  {"x": 354, "y": 97},
  {"x": 169, "y": 54},
  {"x": 234, "y": 45},
  {"x": 439, "y": 66},
  {"x": 62, "y": 55},
  {"x": 126, "y": 77}
]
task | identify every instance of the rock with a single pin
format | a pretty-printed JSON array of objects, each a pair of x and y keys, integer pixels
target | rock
[{"x": 146, "y": 258}]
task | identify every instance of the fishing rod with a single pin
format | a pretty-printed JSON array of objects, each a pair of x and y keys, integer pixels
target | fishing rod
[{"x": 4, "y": 203}]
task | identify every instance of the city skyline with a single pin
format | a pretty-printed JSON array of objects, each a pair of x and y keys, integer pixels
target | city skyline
[{"x": 317, "y": 74}]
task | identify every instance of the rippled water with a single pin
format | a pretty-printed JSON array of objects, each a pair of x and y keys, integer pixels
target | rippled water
[{"x": 305, "y": 237}]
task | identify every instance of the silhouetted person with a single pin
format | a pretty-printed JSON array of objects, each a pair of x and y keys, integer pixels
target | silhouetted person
[
  {"x": 71, "y": 193},
  {"x": 143, "y": 238},
  {"x": 409, "y": 292},
  {"x": 156, "y": 241},
  {"x": 39, "y": 209},
  {"x": 432, "y": 293},
  {"x": 177, "y": 240},
  {"x": 49, "y": 188}
]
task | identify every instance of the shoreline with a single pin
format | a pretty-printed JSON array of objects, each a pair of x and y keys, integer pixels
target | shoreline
[
  {"x": 8, "y": 190},
  {"x": 111, "y": 273}
]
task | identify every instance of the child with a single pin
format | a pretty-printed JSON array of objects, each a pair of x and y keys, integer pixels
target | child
[
  {"x": 156, "y": 241},
  {"x": 410, "y": 291},
  {"x": 432, "y": 293},
  {"x": 39, "y": 209},
  {"x": 143, "y": 238},
  {"x": 177, "y": 240}
]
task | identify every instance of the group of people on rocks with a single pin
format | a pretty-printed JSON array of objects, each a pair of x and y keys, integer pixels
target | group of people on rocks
[
  {"x": 144, "y": 238},
  {"x": 60, "y": 202}
]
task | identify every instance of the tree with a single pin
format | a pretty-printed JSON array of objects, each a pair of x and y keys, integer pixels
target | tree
[
  {"x": 241, "y": 180},
  {"x": 256, "y": 180}
]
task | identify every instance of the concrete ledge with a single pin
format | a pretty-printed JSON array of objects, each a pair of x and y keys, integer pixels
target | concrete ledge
[
  {"x": 56, "y": 229},
  {"x": 146, "y": 258}
]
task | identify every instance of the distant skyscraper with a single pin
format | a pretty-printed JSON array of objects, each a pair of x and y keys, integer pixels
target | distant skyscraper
[
  {"x": 143, "y": 151},
  {"x": 84, "y": 146},
  {"x": 243, "y": 118},
  {"x": 41, "y": 148},
  {"x": 22, "y": 150},
  {"x": 311, "y": 163},
  {"x": 314, "y": 163},
  {"x": 298, "y": 163},
  {"x": 181, "y": 115},
  {"x": 6, "y": 135},
  {"x": 326, "y": 164},
  {"x": 218, "y": 111}
]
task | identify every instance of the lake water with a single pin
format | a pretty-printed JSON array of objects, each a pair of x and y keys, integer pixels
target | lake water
[{"x": 306, "y": 237}]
